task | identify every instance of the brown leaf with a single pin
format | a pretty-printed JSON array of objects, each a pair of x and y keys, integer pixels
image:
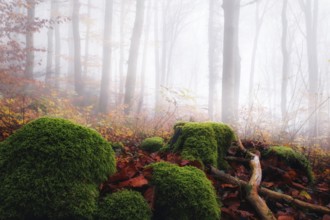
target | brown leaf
[
  {"x": 227, "y": 185},
  {"x": 134, "y": 182},
  {"x": 285, "y": 217}
]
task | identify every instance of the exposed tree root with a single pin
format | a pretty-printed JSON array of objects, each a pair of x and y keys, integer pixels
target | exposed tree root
[
  {"x": 222, "y": 176},
  {"x": 252, "y": 187}
]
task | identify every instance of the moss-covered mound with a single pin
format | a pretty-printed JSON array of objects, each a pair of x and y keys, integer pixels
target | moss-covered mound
[
  {"x": 50, "y": 169},
  {"x": 292, "y": 158},
  {"x": 124, "y": 205},
  {"x": 183, "y": 193},
  {"x": 204, "y": 141},
  {"x": 152, "y": 144}
]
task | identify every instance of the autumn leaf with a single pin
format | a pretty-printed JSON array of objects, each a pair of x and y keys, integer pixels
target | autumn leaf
[{"x": 136, "y": 182}]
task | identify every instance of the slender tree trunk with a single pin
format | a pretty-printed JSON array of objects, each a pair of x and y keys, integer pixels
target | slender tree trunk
[
  {"x": 121, "y": 52},
  {"x": 77, "y": 48},
  {"x": 89, "y": 7},
  {"x": 106, "y": 72},
  {"x": 212, "y": 53},
  {"x": 29, "y": 61},
  {"x": 133, "y": 56},
  {"x": 57, "y": 46},
  {"x": 231, "y": 61},
  {"x": 157, "y": 55},
  {"x": 258, "y": 23},
  {"x": 50, "y": 45},
  {"x": 164, "y": 44},
  {"x": 70, "y": 46},
  {"x": 144, "y": 57},
  {"x": 285, "y": 64},
  {"x": 310, "y": 9}
]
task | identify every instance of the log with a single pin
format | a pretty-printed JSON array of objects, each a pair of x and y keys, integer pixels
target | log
[{"x": 222, "y": 176}]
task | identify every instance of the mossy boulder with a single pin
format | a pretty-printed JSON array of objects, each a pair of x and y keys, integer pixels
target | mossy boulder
[
  {"x": 124, "y": 205},
  {"x": 183, "y": 193},
  {"x": 51, "y": 169},
  {"x": 292, "y": 158},
  {"x": 152, "y": 144},
  {"x": 203, "y": 141}
]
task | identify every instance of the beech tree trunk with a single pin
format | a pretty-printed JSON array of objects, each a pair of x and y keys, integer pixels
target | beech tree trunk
[
  {"x": 133, "y": 56},
  {"x": 144, "y": 57},
  {"x": 29, "y": 60},
  {"x": 212, "y": 54},
  {"x": 310, "y": 9},
  {"x": 57, "y": 69},
  {"x": 231, "y": 61},
  {"x": 157, "y": 55},
  {"x": 78, "y": 83},
  {"x": 50, "y": 45},
  {"x": 285, "y": 64},
  {"x": 106, "y": 70}
]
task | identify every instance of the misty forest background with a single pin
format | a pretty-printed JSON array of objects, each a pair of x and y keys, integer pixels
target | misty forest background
[{"x": 132, "y": 68}]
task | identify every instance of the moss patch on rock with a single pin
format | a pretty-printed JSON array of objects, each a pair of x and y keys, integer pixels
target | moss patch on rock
[
  {"x": 124, "y": 205},
  {"x": 51, "y": 168},
  {"x": 204, "y": 141},
  {"x": 152, "y": 144},
  {"x": 292, "y": 158},
  {"x": 183, "y": 193}
]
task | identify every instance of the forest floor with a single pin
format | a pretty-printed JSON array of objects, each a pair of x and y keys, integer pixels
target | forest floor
[{"x": 277, "y": 176}]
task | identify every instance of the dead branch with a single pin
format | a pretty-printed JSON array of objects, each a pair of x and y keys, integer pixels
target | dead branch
[
  {"x": 252, "y": 187},
  {"x": 222, "y": 176}
]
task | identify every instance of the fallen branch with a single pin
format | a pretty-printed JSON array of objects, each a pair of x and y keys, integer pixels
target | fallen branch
[
  {"x": 251, "y": 188},
  {"x": 222, "y": 176}
]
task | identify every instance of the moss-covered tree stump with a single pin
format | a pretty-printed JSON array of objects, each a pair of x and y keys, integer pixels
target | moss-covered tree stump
[
  {"x": 183, "y": 193},
  {"x": 50, "y": 169},
  {"x": 207, "y": 142},
  {"x": 291, "y": 158},
  {"x": 124, "y": 205}
]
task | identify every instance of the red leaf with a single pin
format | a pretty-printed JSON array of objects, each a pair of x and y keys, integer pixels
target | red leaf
[
  {"x": 134, "y": 182},
  {"x": 126, "y": 173}
]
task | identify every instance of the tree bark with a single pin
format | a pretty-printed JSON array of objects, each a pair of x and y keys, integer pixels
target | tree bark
[
  {"x": 231, "y": 61},
  {"x": 285, "y": 64},
  {"x": 57, "y": 69},
  {"x": 89, "y": 6},
  {"x": 133, "y": 56},
  {"x": 106, "y": 70},
  {"x": 78, "y": 83},
  {"x": 212, "y": 61},
  {"x": 157, "y": 56},
  {"x": 311, "y": 15},
  {"x": 50, "y": 45},
  {"x": 29, "y": 60},
  {"x": 144, "y": 58}
]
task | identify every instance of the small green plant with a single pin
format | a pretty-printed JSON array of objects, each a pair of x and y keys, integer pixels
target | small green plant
[
  {"x": 292, "y": 158},
  {"x": 124, "y": 205},
  {"x": 51, "y": 169},
  {"x": 152, "y": 144},
  {"x": 183, "y": 193}
]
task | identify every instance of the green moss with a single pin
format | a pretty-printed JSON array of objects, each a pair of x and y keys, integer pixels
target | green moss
[
  {"x": 205, "y": 141},
  {"x": 152, "y": 144},
  {"x": 124, "y": 205},
  {"x": 50, "y": 169},
  {"x": 292, "y": 158},
  {"x": 183, "y": 193}
]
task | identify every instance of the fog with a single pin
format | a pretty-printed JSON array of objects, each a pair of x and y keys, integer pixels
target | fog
[{"x": 267, "y": 70}]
